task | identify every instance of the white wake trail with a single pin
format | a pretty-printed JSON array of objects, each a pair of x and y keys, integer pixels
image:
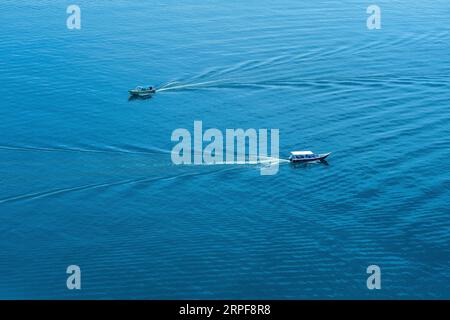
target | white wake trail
[
  {"x": 267, "y": 161},
  {"x": 168, "y": 84},
  {"x": 184, "y": 86}
]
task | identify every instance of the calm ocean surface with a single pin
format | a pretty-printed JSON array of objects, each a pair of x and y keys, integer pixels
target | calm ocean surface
[{"x": 87, "y": 179}]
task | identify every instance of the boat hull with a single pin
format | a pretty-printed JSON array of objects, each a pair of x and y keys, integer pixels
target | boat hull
[{"x": 141, "y": 92}]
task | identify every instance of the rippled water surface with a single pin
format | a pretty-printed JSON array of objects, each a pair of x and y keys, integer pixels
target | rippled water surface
[{"x": 87, "y": 179}]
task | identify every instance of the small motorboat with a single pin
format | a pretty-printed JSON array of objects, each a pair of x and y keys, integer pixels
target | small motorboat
[
  {"x": 307, "y": 156},
  {"x": 142, "y": 91}
]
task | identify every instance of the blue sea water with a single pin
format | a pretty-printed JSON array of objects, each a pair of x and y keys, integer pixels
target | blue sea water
[{"x": 87, "y": 178}]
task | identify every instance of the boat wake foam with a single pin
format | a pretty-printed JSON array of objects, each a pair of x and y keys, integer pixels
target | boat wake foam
[
  {"x": 175, "y": 85},
  {"x": 265, "y": 161}
]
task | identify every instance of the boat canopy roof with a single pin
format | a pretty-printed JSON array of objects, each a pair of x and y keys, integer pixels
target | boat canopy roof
[
  {"x": 144, "y": 87},
  {"x": 301, "y": 153}
]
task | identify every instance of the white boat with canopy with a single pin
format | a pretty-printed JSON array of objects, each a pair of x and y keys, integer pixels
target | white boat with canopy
[{"x": 305, "y": 156}]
